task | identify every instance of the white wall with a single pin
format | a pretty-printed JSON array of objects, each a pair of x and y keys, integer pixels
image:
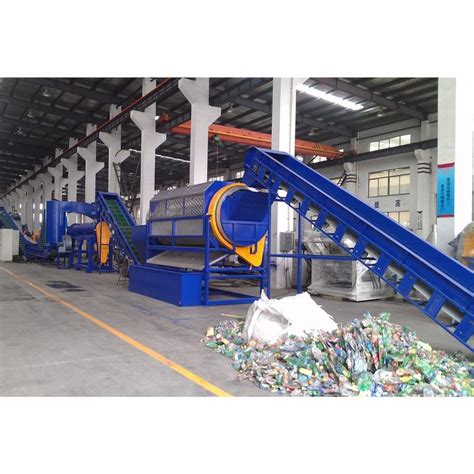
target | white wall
[{"x": 407, "y": 202}]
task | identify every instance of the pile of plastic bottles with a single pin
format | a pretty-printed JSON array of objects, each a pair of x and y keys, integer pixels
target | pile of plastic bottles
[{"x": 368, "y": 357}]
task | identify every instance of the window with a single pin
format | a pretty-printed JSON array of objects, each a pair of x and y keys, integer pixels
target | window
[
  {"x": 389, "y": 182},
  {"x": 405, "y": 139},
  {"x": 390, "y": 142},
  {"x": 395, "y": 141},
  {"x": 217, "y": 178},
  {"x": 239, "y": 174},
  {"x": 402, "y": 217},
  {"x": 170, "y": 188}
]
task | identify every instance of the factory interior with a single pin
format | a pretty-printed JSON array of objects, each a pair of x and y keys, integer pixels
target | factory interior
[
  {"x": 225, "y": 253},
  {"x": 157, "y": 208}
]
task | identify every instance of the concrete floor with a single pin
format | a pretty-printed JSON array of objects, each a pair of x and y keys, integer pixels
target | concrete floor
[{"x": 47, "y": 349}]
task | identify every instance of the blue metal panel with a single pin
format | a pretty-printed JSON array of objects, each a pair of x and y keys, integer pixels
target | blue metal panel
[
  {"x": 420, "y": 262},
  {"x": 173, "y": 286},
  {"x": 56, "y": 220}
]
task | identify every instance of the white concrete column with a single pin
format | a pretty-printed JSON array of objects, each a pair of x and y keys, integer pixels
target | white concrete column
[
  {"x": 423, "y": 193},
  {"x": 73, "y": 176},
  {"x": 6, "y": 202},
  {"x": 283, "y": 139},
  {"x": 38, "y": 191},
  {"x": 202, "y": 115},
  {"x": 354, "y": 145},
  {"x": 22, "y": 194},
  {"x": 27, "y": 206},
  {"x": 351, "y": 177},
  {"x": 16, "y": 200},
  {"x": 150, "y": 141},
  {"x": 113, "y": 141},
  {"x": 455, "y": 150},
  {"x": 47, "y": 192},
  {"x": 89, "y": 155},
  {"x": 48, "y": 186},
  {"x": 57, "y": 173}
]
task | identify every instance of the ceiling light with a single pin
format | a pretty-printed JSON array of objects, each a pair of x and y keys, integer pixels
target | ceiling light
[
  {"x": 46, "y": 93},
  {"x": 318, "y": 94},
  {"x": 157, "y": 117},
  {"x": 30, "y": 114},
  {"x": 11, "y": 142},
  {"x": 380, "y": 112},
  {"x": 312, "y": 132},
  {"x": 231, "y": 109},
  {"x": 20, "y": 131}
]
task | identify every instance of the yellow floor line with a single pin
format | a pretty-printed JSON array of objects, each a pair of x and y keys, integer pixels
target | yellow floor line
[{"x": 129, "y": 340}]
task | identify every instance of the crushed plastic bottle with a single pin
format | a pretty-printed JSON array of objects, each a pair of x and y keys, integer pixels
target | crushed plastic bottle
[{"x": 368, "y": 357}]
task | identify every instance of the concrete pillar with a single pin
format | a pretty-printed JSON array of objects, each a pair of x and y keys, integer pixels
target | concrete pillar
[
  {"x": 22, "y": 204},
  {"x": 16, "y": 200},
  {"x": 455, "y": 166},
  {"x": 283, "y": 139},
  {"x": 351, "y": 177},
  {"x": 423, "y": 193},
  {"x": 113, "y": 141},
  {"x": 73, "y": 176},
  {"x": 38, "y": 190},
  {"x": 89, "y": 155},
  {"x": 150, "y": 141},
  {"x": 202, "y": 115},
  {"x": 48, "y": 186},
  {"x": 6, "y": 202},
  {"x": 57, "y": 173},
  {"x": 27, "y": 206},
  {"x": 47, "y": 191},
  {"x": 354, "y": 145}
]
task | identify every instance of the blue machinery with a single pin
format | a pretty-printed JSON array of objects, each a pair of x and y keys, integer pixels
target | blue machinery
[
  {"x": 393, "y": 253},
  {"x": 84, "y": 246},
  {"x": 192, "y": 233},
  {"x": 194, "y": 236},
  {"x": 215, "y": 233}
]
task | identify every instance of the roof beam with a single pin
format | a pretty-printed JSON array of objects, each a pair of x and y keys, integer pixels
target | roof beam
[
  {"x": 80, "y": 91},
  {"x": 37, "y": 142},
  {"x": 48, "y": 109},
  {"x": 397, "y": 150},
  {"x": 221, "y": 97},
  {"x": 5, "y": 157},
  {"x": 52, "y": 129},
  {"x": 370, "y": 96},
  {"x": 302, "y": 118}
]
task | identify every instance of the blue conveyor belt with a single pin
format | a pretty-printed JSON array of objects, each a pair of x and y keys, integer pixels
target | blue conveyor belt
[
  {"x": 27, "y": 248},
  {"x": 402, "y": 259}
]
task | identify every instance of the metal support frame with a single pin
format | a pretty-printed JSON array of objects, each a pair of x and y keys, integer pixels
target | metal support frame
[
  {"x": 77, "y": 252},
  {"x": 210, "y": 272}
]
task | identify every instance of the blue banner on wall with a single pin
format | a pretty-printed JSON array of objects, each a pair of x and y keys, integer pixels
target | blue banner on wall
[{"x": 445, "y": 200}]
